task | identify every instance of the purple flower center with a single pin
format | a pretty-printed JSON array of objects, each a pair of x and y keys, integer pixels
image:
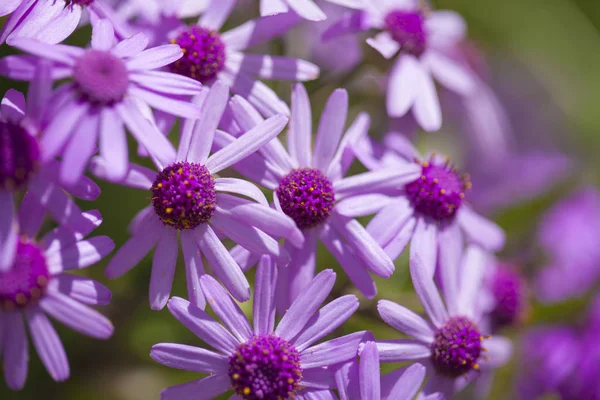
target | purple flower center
[
  {"x": 27, "y": 280},
  {"x": 456, "y": 347},
  {"x": 439, "y": 192},
  {"x": 266, "y": 368},
  {"x": 407, "y": 28},
  {"x": 184, "y": 195},
  {"x": 306, "y": 196},
  {"x": 19, "y": 156},
  {"x": 78, "y": 2},
  {"x": 101, "y": 77},
  {"x": 203, "y": 54},
  {"x": 508, "y": 290}
]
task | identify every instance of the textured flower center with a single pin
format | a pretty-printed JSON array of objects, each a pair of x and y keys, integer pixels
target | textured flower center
[
  {"x": 19, "y": 156},
  {"x": 306, "y": 196},
  {"x": 101, "y": 77},
  {"x": 508, "y": 291},
  {"x": 78, "y": 2},
  {"x": 266, "y": 368},
  {"x": 439, "y": 192},
  {"x": 407, "y": 28},
  {"x": 456, "y": 347},
  {"x": 184, "y": 196},
  {"x": 203, "y": 54},
  {"x": 27, "y": 280}
]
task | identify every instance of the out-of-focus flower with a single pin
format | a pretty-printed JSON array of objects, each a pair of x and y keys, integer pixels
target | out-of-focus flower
[
  {"x": 113, "y": 85},
  {"x": 305, "y": 8},
  {"x": 451, "y": 344},
  {"x": 37, "y": 284},
  {"x": 190, "y": 202},
  {"x": 309, "y": 186},
  {"x": 429, "y": 210},
  {"x": 52, "y": 21},
  {"x": 424, "y": 40},
  {"x": 569, "y": 234},
  {"x": 264, "y": 361}
]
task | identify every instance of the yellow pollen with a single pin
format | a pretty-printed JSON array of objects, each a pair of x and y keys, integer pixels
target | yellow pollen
[
  {"x": 235, "y": 377},
  {"x": 442, "y": 191},
  {"x": 169, "y": 210},
  {"x": 160, "y": 185},
  {"x": 425, "y": 164},
  {"x": 247, "y": 391}
]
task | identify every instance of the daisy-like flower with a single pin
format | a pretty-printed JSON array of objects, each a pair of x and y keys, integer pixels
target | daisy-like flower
[
  {"x": 305, "y": 8},
  {"x": 37, "y": 285},
  {"x": 451, "y": 344},
  {"x": 189, "y": 201},
  {"x": 22, "y": 167},
  {"x": 52, "y": 21},
  {"x": 265, "y": 361},
  {"x": 112, "y": 85},
  {"x": 309, "y": 186},
  {"x": 423, "y": 40},
  {"x": 429, "y": 211}
]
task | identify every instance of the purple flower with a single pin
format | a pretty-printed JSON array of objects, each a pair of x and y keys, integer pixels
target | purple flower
[
  {"x": 451, "y": 344},
  {"x": 424, "y": 40},
  {"x": 309, "y": 186},
  {"x": 52, "y": 21},
  {"x": 305, "y": 8},
  {"x": 113, "y": 85},
  {"x": 428, "y": 209},
  {"x": 569, "y": 235},
  {"x": 37, "y": 285},
  {"x": 188, "y": 201},
  {"x": 264, "y": 362},
  {"x": 22, "y": 167}
]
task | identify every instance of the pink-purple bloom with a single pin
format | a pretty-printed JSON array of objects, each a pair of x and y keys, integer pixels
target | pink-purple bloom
[
  {"x": 263, "y": 361},
  {"x": 189, "y": 203},
  {"x": 37, "y": 285},
  {"x": 308, "y": 9}
]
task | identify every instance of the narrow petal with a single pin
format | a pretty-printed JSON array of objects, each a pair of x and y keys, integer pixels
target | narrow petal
[
  {"x": 60, "y": 54},
  {"x": 80, "y": 255},
  {"x": 61, "y": 127},
  {"x": 189, "y": 358},
  {"x": 333, "y": 351},
  {"x": 242, "y": 187},
  {"x": 424, "y": 244},
  {"x": 163, "y": 268},
  {"x": 402, "y": 350},
  {"x": 166, "y": 82},
  {"x": 427, "y": 292},
  {"x": 363, "y": 205},
  {"x": 16, "y": 351},
  {"x": 169, "y": 104},
  {"x": 259, "y": 30},
  {"x": 155, "y": 57},
  {"x": 272, "y": 67},
  {"x": 13, "y": 106},
  {"x": 188, "y": 125},
  {"x": 113, "y": 145},
  {"x": 369, "y": 372},
  {"x": 427, "y": 109},
  {"x": 403, "y": 383},
  {"x": 384, "y": 44},
  {"x": 82, "y": 289},
  {"x": 330, "y": 129},
  {"x": 349, "y": 23},
  {"x": 480, "y": 230},
  {"x": 193, "y": 268},
  {"x": 58, "y": 203},
  {"x": 80, "y": 149},
  {"x": 307, "y": 9},
  {"x": 76, "y": 316},
  {"x": 445, "y": 28},
  {"x": 317, "y": 378},
  {"x": 405, "y": 321},
  {"x": 272, "y": 7},
  {"x": 103, "y": 35},
  {"x": 136, "y": 176},
  {"x": 499, "y": 352},
  {"x": 345, "y": 155},
  {"x": 399, "y": 242},
  {"x": 403, "y": 86},
  {"x": 402, "y": 145},
  {"x": 389, "y": 221},
  {"x": 131, "y": 46},
  {"x": 473, "y": 271},
  {"x": 257, "y": 93},
  {"x": 382, "y": 181},
  {"x": 9, "y": 229},
  {"x": 300, "y": 132},
  {"x": 31, "y": 216},
  {"x": 48, "y": 345},
  {"x": 264, "y": 296},
  {"x": 450, "y": 73},
  {"x": 216, "y": 15},
  {"x": 244, "y": 258},
  {"x": 451, "y": 250}
]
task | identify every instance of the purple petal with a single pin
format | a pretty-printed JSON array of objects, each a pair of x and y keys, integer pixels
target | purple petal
[
  {"x": 272, "y": 67},
  {"x": 300, "y": 132},
  {"x": 402, "y": 145},
  {"x": 258, "y": 31},
  {"x": 244, "y": 258},
  {"x": 23, "y": 68},
  {"x": 169, "y": 104},
  {"x": 445, "y": 28},
  {"x": 257, "y": 93},
  {"x": 403, "y": 86},
  {"x": 403, "y": 383},
  {"x": 473, "y": 271},
  {"x": 451, "y": 250},
  {"x": 450, "y": 73},
  {"x": 189, "y": 358},
  {"x": 136, "y": 176},
  {"x": 80, "y": 149},
  {"x": 272, "y": 7},
  {"x": 82, "y": 289},
  {"x": 31, "y": 216},
  {"x": 389, "y": 221},
  {"x": 299, "y": 273},
  {"x": 480, "y": 230},
  {"x": 48, "y": 345},
  {"x": 203, "y": 389},
  {"x": 384, "y": 44},
  {"x": 9, "y": 229},
  {"x": 163, "y": 268},
  {"x": 193, "y": 268},
  {"x": 345, "y": 155},
  {"x": 330, "y": 129},
  {"x": 427, "y": 292},
  {"x": 333, "y": 351},
  {"x": 62, "y": 208},
  {"x": 216, "y": 15},
  {"x": 46, "y": 21},
  {"x": 64, "y": 236},
  {"x": 60, "y": 54},
  {"x": 80, "y": 255},
  {"x": 369, "y": 372},
  {"x": 499, "y": 352},
  {"x": 424, "y": 244},
  {"x": 242, "y": 187},
  {"x": 427, "y": 110},
  {"x": 385, "y": 180},
  {"x": 40, "y": 91},
  {"x": 113, "y": 145},
  {"x": 405, "y": 321},
  {"x": 317, "y": 378},
  {"x": 16, "y": 350},
  {"x": 131, "y": 46},
  {"x": 402, "y": 350},
  {"x": 307, "y": 9},
  {"x": 155, "y": 57},
  {"x": 187, "y": 127},
  {"x": 166, "y": 82},
  {"x": 363, "y": 205},
  {"x": 61, "y": 127},
  {"x": 103, "y": 35},
  {"x": 12, "y": 106},
  {"x": 264, "y": 296}
]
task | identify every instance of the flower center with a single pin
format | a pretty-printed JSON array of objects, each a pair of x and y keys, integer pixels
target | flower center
[
  {"x": 306, "y": 196},
  {"x": 184, "y": 196},
  {"x": 508, "y": 291},
  {"x": 456, "y": 347},
  {"x": 203, "y": 54},
  {"x": 27, "y": 280},
  {"x": 407, "y": 28},
  {"x": 101, "y": 77},
  {"x": 439, "y": 192},
  {"x": 19, "y": 156},
  {"x": 266, "y": 368}
]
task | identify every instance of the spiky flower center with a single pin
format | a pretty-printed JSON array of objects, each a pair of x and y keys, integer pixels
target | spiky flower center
[
  {"x": 456, "y": 347},
  {"x": 266, "y": 367},
  {"x": 408, "y": 29},
  {"x": 306, "y": 196},
  {"x": 27, "y": 280},
  {"x": 19, "y": 156},
  {"x": 184, "y": 195},
  {"x": 438, "y": 192},
  {"x": 203, "y": 54},
  {"x": 508, "y": 290},
  {"x": 101, "y": 77}
]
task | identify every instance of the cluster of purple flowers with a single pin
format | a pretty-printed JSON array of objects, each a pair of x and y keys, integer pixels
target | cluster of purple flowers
[{"x": 146, "y": 72}]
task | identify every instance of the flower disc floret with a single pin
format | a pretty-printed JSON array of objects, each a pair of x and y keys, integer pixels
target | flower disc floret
[
  {"x": 507, "y": 289},
  {"x": 456, "y": 347},
  {"x": 306, "y": 196},
  {"x": 184, "y": 195},
  {"x": 438, "y": 192},
  {"x": 101, "y": 77},
  {"x": 19, "y": 156},
  {"x": 27, "y": 280},
  {"x": 203, "y": 54},
  {"x": 407, "y": 28},
  {"x": 266, "y": 367}
]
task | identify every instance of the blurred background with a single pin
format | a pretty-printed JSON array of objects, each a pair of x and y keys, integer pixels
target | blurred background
[{"x": 541, "y": 57}]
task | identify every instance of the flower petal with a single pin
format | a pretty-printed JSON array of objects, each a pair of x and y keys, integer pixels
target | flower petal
[
  {"x": 259, "y": 30},
  {"x": 80, "y": 255},
  {"x": 369, "y": 372},
  {"x": 189, "y": 358},
  {"x": 474, "y": 264},
  {"x": 113, "y": 145},
  {"x": 264, "y": 296},
  {"x": 427, "y": 109},
  {"x": 257, "y": 93},
  {"x": 242, "y": 187},
  {"x": 155, "y": 57},
  {"x": 330, "y": 129},
  {"x": 215, "y": 16},
  {"x": 48, "y": 345},
  {"x": 403, "y": 86},
  {"x": 272, "y": 67},
  {"x": 300, "y": 131},
  {"x": 103, "y": 35},
  {"x": 82, "y": 289},
  {"x": 203, "y": 389},
  {"x": 193, "y": 268},
  {"x": 427, "y": 292},
  {"x": 402, "y": 350},
  {"x": 405, "y": 321},
  {"x": 9, "y": 231},
  {"x": 16, "y": 350},
  {"x": 480, "y": 230},
  {"x": 424, "y": 244},
  {"x": 403, "y": 383},
  {"x": 163, "y": 268},
  {"x": 384, "y": 44},
  {"x": 333, "y": 351}
]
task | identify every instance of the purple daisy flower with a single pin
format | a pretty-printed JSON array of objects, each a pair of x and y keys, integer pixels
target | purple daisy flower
[
  {"x": 113, "y": 85},
  {"x": 267, "y": 361},
  {"x": 424, "y": 40},
  {"x": 451, "y": 343},
  {"x": 305, "y": 8},
  {"x": 22, "y": 167},
  {"x": 52, "y": 21},
  {"x": 309, "y": 186},
  {"x": 429, "y": 211},
  {"x": 189, "y": 201},
  {"x": 38, "y": 284}
]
